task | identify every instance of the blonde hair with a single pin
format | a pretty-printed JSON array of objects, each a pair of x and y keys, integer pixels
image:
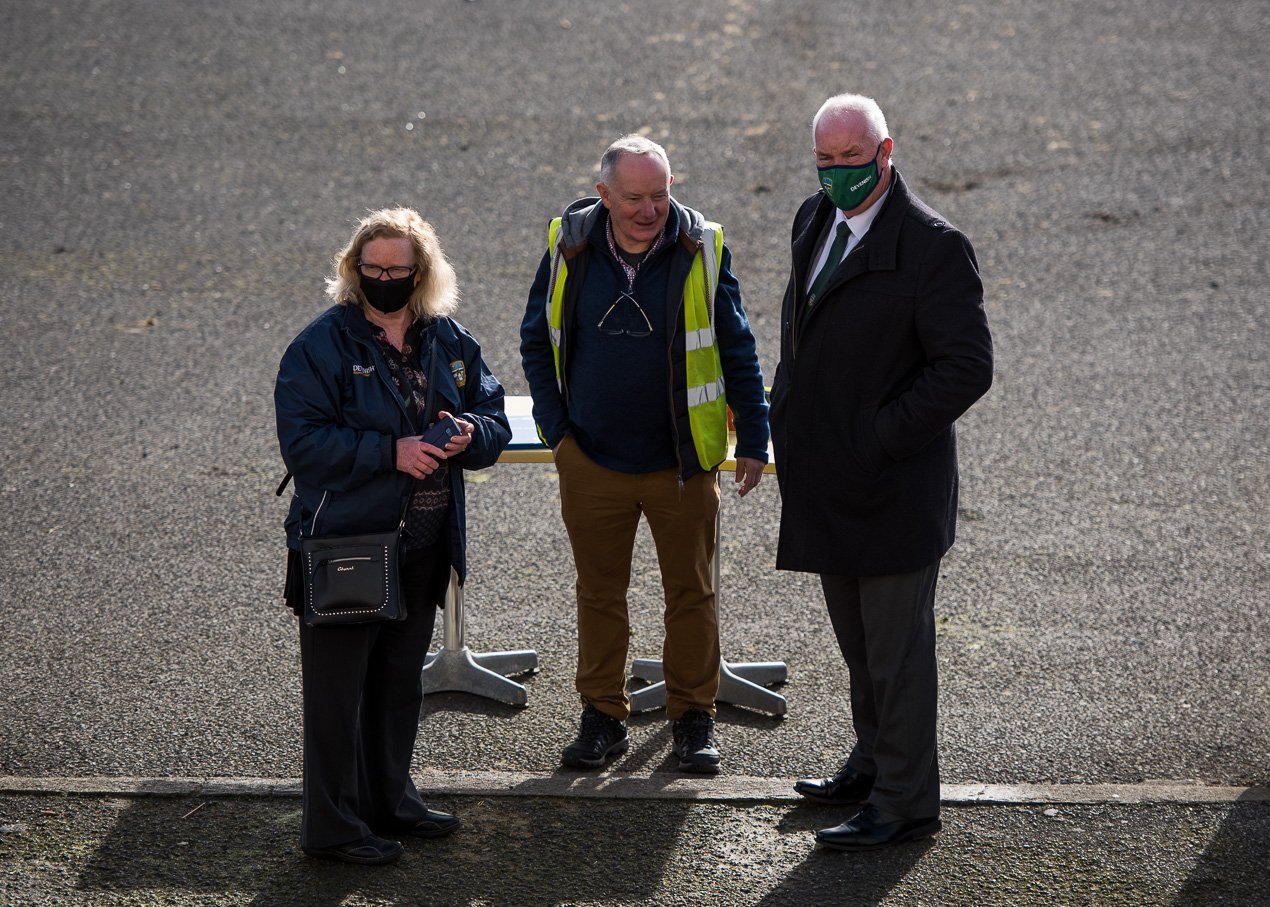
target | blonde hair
[{"x": 436, "y": 290}]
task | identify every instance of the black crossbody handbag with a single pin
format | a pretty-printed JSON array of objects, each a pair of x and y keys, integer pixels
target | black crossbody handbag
[
  {"x": 356, "y": 579},
  {"x": 352, "y": 579}
]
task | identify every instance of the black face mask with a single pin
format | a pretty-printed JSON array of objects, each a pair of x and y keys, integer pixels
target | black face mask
[{"x": 387, "y": 296}]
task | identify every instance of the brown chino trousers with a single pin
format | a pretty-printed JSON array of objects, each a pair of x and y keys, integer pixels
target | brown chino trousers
[{"x": 601, "y": 510}]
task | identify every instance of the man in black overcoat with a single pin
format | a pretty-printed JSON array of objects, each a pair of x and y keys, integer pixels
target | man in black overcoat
[{"x": 884, "y": 343}]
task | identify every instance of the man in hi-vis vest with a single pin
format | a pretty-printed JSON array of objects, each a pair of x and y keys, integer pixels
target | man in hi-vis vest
[{"x": 635, "y": 344}]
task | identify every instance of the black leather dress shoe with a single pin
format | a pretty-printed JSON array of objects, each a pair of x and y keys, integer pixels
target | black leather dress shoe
[
  {"x": 871, "y": 829},
  {"x": 434, "y": 824},
  {"x": 848, "y": 786},
  {"x": 370, "y": 851}
]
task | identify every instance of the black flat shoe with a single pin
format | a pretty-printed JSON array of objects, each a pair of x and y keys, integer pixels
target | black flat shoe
[
  {"x": 435, "y": 824},
  {"x": 869, "y": 829},
  {"x": 370, "y": 851},
  {"x": 848, "y": 786}
]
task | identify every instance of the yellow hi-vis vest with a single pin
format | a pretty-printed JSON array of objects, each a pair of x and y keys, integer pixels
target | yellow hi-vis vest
[{"x": 707, "y": 404}]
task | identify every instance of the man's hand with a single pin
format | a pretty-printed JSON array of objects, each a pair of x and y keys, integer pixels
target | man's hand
[{"x": 749, "y": 472}]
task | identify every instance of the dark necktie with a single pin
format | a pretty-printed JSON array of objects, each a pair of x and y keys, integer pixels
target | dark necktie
[{"x": 831, "y": 263}]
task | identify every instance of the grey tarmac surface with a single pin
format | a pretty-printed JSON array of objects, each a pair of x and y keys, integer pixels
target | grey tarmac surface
[
  {"x": 513, "y": 852},
  {"x": 176, "y": 179}
]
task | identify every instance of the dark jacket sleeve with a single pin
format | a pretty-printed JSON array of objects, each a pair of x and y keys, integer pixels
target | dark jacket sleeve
[
  {"x": 316, "y": 447},
  {"x": 483, "y": 407},
  {"x": 539, "y": 363},
  {"x": 952, "y": 328},
  {"x": 742, "y": 375}
]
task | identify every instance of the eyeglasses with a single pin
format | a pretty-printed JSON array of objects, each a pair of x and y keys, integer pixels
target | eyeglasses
[
  {"x": 375, "y": 272},
  {"x": 636, "y": 331}
]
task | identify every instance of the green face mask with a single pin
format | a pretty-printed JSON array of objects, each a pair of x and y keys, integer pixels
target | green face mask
[{"x": 847, "y": 186}]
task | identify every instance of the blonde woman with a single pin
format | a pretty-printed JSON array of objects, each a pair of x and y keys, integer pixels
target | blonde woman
[{"x": 350, "y": 401}]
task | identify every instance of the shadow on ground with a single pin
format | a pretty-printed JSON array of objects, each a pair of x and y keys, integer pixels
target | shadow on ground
[
  {"x": 1220, "y": 876},
  {"x": 828, "y": 877},
  {"x": 511, "y": 855},
  {"x": 579, "y": 850}
]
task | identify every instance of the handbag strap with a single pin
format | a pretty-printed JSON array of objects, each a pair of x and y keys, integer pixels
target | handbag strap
[
  {"x": 431, "y": 392},
  {"x": 429, "y": 399}
]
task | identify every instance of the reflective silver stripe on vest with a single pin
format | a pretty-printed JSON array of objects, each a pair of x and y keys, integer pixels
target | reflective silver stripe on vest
[
  {"x": 555, "y": 335},
  {"x": 699, "y": 340},
  {"x": 705, "y": 393}
]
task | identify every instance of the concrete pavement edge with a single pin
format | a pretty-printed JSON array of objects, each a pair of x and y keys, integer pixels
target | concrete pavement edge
[{"x": 655, "y": 786}]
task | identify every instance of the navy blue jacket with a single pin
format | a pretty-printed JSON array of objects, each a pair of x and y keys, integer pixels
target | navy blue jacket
[
  {"x": 340, "y": 414},
  {"x": 868, "y": 388},
  {"x": 589, "y": 408}
]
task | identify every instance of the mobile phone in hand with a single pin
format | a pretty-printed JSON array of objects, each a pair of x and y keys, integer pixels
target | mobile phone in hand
[{"x": 441, "y": 431}]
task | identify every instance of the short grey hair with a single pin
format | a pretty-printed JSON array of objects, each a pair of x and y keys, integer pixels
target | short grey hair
[
  {"x": 629, "y": 144},
  {"x": 844, "y": 105}
]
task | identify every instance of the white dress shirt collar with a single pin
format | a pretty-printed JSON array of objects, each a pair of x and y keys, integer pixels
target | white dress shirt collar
[{"x": 858, "y": 225}]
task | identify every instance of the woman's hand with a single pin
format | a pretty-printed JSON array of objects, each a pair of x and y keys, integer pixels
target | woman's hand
[
  {"x": 417, "y": 458},
  {"x": 459, "y": 442}
]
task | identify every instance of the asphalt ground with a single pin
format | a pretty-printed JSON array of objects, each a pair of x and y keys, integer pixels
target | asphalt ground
[
  {"x": 176, "y": 179},
  {"x": 243, "y": 851}
]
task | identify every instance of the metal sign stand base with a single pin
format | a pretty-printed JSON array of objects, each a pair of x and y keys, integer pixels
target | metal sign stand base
[
  {"x": 454, "y": 667},
  {"x": 739, "y": 684}
]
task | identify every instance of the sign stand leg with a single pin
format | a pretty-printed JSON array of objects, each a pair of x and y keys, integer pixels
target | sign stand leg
[{"x": 454, "y": 667}]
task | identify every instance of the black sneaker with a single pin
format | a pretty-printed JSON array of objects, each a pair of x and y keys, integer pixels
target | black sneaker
[
  {"x": 694, "y": 743},
  {"x": 600, "y": 738}
]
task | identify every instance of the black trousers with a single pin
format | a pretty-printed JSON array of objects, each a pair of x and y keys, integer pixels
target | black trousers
[
  {"x": 362, "y": 695},
  {"x": 886, "y": 630}
]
